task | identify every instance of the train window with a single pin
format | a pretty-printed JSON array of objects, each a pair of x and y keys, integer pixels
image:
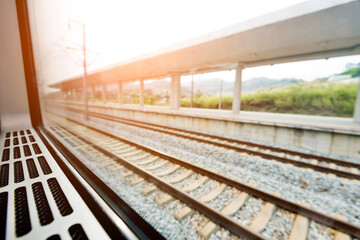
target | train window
[{"x": 127, "y": 116}]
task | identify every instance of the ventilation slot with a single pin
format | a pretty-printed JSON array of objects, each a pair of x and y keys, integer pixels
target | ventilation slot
[
  {"x": 27, "y": 150},
  {"x": 36, "y": 148},
  {"x": 15, "y": 134},
  {"x": 4, "y": 175},
  {"x": 33, "y": 173},
  {"x": 42, "y": 204},
  {"x": 7, "y": 135},
  {"x": 3, "y": 213},
  {"x": 17, "y": 152},
  {"x": 44, "y": 165},
  {"x": 7, "y": 143},
  {"x": 22, "y": 132},
  {"x": 60, "y": 198},
  {"x": 28, "y": 131},
  {"x": 18, "y": 172},
  {"x": 23, "y": 140},
  {"x": 5, "y": 156},
  {"x": 16, "y": 141},
  {"x": 22, "y": 217},
  {"x": 54, "y": 237},
  {"x": 32, "y": 139},
  {"x": 77, "y": 232}
]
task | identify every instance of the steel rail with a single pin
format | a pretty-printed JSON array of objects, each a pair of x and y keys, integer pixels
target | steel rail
[
  {"x": 212, "y": 214},
  {"x": 335, "y": 223},
  {"x": 276, "y": 149},
  {"x": 319, "y": 168}
]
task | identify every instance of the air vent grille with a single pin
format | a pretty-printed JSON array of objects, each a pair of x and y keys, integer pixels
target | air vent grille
[
  {"x": 5, "y": 155},
  {"x": 39, "y": 204},
  {"x": 77, "y": 232},
  {"x": 18, "y": 172},
  {"x": 3, "y": 213},
  {"x": 33, "y": 173},
  {"x": 4, "y": 175},
  {"x": 60, "y": 198},
  {"x": 42, "y": 204},
  {"x": 22, "y": 215}
]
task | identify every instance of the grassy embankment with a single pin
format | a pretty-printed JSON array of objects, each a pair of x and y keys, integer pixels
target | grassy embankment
[{"x": 324, "y": 99}]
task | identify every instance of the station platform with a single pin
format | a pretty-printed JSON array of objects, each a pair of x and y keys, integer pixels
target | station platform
[
  {"x": 330, "y": 135},
  {"x": 320, "y": 123}
]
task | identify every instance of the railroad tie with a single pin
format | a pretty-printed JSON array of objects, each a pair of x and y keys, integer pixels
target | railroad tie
[
  {"x": 167, "y": 171},
  {"x": 213, "y": 193},
  {"x": 127, "y": 174},
  {"x": 140, "y": 157},
  {"x": 332, "y": 165},
  {"x": 208, "y": 229},
  {"x": 197, "y": 183},
  {"x": 148, "y": 190},
  {"x": 126, "y": 150},
  {"x": 235, "y": 204},
  {"x": 340, "y": 235},
  {"x": 155, "y": 166},
  {"x": 136, "y": 181},
  {"x": 354, "y": 170},
  {"x": 314, "y": 161},
  {"x": 264, "y": 216},
  {"x": 229, "y": 210},
  {"x": 183, "y": 212},
  {"x": 118, "y": 167},
  {"x": 131, "y": 153},
  {"x": 110, "y": 162},
  {"x": 300, "y": 226},
  {"x": 180, "y": 177},
  {"x": 148, "y": 161},
  {"x": 166, "y": 198}
]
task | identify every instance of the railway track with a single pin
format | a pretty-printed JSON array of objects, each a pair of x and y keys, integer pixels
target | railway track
[
  {"x": 323, "y": 164},
  {"x": 167, "y": 173}
]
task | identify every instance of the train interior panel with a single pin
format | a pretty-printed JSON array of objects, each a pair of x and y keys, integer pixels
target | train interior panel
[{"x": 89, "y": 151}]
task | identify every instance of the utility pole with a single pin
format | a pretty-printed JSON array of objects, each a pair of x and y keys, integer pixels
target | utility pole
[
  {"x": 221, "y": 85},
  {"x": 192, "y": 90},
  {"x": 85, "y": 71}
]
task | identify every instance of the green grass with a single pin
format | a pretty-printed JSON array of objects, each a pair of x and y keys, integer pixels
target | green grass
[{"x": 327, "y": 99}]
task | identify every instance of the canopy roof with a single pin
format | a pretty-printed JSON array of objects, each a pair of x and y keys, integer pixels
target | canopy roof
[{"x": 310, "y": 30}]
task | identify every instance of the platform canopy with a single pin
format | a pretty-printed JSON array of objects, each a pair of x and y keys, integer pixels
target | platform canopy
[{"x": 310, "y": 30}]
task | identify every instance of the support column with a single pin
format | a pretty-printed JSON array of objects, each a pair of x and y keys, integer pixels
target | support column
[
  {"x": 357, "y": 106},
  {"x": 84, "y": 94},
  {"x": 92, "y": 93},
  {"x": 141, "y": 94},
  {"x": 103, "y": 93},
  {"x": 175, "y": 91},
  {"x": 73, "y": 94},
  {"x": 237, "y": 91},
  {"x": 119, "y": 92}
]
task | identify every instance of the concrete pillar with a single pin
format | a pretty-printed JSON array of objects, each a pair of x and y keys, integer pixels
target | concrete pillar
[
  {"x": 92, "y": 93},
  {"x": 237, "y": 91},
  {"x": 141, "y": 93},
  {"x": 103, "y": 93},
  {"x": 357, "y": 106},
  {"x": 119, "y": 92},
  {"x": 84, "y": 94},
  {"x": 175, "y": 91},
  {"x": 73, "y": 94}
]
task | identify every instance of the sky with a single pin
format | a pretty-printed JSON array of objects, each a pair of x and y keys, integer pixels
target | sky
[{"x": 118, "y": 30}]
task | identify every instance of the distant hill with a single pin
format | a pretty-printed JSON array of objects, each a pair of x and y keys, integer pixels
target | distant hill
[
  {"x": 212, "y": 86},
  {"x": 263, "y": 83}
]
